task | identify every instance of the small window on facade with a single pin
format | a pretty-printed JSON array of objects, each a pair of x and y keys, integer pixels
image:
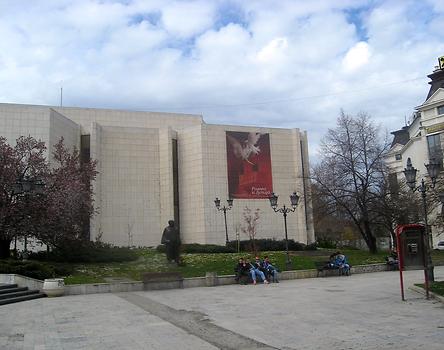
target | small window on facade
[
  {"x": 440, "y": 110},
  {"x": 398, "y": 156},
  {"x": 85, "y": 148},
  {"x": 434, "y": 146}
]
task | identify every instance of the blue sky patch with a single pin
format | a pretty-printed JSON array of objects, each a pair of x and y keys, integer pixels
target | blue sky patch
[
  {"x": 230, "y": 12},
  {"x": 356, "y": 17},
  {"x": 152, "y": 17}
]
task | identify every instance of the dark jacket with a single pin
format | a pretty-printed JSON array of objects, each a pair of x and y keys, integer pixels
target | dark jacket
[
  {"x": 259, "y": 265},
  {"x": 242, "y": 269},
  {"x": 171, "y": 236}
]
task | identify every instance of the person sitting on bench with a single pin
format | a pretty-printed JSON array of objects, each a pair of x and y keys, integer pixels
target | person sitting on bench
[
  {"x": 270, "y": 269},
  {"x": 330, "y": 264},
  {"x": 254, "y": 271},
  {"x": 242, "y": 271},
  {"x": 341, "y": 262},
  {"x": 258, "y": 264},
  {"x": 392, "y": 259}
]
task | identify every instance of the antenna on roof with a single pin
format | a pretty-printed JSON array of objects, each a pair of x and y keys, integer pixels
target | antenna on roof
[
  {"x": 61, "y": 96},
  {"x": 405, "y": 120}
]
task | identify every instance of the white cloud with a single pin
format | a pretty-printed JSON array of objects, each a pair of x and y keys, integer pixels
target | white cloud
[
  {"x": 356, "y": 57},
  {"x": 185, "y": 19},
  {"x": 284, "y": 64},
  {"x": 273, "y": 50},
  {"x": 134, "y": 40}
]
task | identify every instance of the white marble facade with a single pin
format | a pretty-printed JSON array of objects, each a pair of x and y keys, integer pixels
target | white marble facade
[
  {"x": 427, "y": 122},
  {"x": 134, "y": 191}
]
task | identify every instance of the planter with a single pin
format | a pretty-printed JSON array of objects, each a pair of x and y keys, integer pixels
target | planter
[{"x": 54, "y": 287}]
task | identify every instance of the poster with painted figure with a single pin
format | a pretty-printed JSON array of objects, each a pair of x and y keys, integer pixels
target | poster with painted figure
[{"x": 249, "y": 165}]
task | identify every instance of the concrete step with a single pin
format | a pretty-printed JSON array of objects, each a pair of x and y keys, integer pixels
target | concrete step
[
  {"x": 17, "y": 294},
  {"x": 12, "y": 290},
  {"x": 6, "y": 286},
  {"x": 22, "y": 298}
]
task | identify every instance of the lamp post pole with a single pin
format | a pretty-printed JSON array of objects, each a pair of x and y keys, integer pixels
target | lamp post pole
[
  {"x": 285, "y": 211},
  {"x": 294, "y": 198},
  {"x": 224, "y": 209},
  {"x": 430, "y": 269},
  {"x": 433, "y": 169}
]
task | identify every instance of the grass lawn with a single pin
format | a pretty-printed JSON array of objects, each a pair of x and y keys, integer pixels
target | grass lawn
[
  {"x": 436, "y": 287},
  {"x": 196, "y": 265}
]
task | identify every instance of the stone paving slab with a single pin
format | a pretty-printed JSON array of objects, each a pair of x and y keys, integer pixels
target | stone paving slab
[
  {"x": 358, "y": 312},
  {"x": 98, "y": 321}
]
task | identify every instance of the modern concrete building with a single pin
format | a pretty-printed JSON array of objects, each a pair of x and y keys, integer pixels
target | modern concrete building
[
  {"x": 154, "y": 167},
  {"x": 422, "y": 139}
]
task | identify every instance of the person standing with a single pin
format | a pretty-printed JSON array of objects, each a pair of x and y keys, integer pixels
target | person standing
[{"x": 171, "y": 240}]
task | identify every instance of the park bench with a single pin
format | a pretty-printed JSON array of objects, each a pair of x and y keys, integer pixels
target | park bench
[
  {"x": 324, "y": 266},
  {"x": 162, "y": 280}
]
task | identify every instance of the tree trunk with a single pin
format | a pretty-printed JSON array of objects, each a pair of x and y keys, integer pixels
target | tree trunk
[
  {"x": 372, "y": 245},
  {"x": 5, "y": 243},
  {"x": 253, "y": 246},
  {"x": 369, "y": 238},
  {"x": 394, "y": 241}
]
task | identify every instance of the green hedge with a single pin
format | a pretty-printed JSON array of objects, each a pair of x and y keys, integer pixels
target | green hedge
[
  {"x": 326, "y": 243},
  {"x": 268, "y": 244},
  {"x": 195, "y": 248},
  {"x": 32, "y": 269},
  {"x": 87, "y": 252},
  {"x": 245, "y": 246}
]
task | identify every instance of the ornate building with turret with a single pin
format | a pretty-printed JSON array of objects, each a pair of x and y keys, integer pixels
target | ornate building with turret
[{"x": 422, "y": 140}]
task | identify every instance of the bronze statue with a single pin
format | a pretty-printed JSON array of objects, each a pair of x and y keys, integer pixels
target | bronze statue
[{"x": 171, "y": 239}]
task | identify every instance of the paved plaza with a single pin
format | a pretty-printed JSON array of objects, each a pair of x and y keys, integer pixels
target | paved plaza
[{"x": 363, "y": 311}]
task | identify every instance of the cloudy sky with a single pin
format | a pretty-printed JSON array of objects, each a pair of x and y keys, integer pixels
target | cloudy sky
[{"x": 266, "y": 63}]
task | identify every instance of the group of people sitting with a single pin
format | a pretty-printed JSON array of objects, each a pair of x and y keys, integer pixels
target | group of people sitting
[
  {"x": 247, "y": 271},
  {"x": 339, "y": 261}
]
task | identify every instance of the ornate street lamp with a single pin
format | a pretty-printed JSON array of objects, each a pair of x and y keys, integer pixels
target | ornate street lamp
[
  {"x": 224, "y": 209},
  {"x": 433, "y": 169},
  {"x": 294, "y": 199}
]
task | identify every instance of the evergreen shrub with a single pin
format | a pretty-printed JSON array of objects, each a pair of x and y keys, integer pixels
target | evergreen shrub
[
  {"x": 194, "y": 248},
  {"x": 87, "y": 252},
  {"x": 326, "y": 243},
  {"x": 32, "y": 269}
]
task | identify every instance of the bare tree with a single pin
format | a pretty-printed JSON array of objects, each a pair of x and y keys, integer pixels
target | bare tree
[
  {"x": 396, "y": 205},
  {"x": 351, "y": 170},
  {"x": 250, "y": 228},
  {"x": 331, "y": 225},
  {"x": 129, "y": 227}
]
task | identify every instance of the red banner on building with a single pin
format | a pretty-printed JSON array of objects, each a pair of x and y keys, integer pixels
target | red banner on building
[{"x": 249, "y": 165}]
